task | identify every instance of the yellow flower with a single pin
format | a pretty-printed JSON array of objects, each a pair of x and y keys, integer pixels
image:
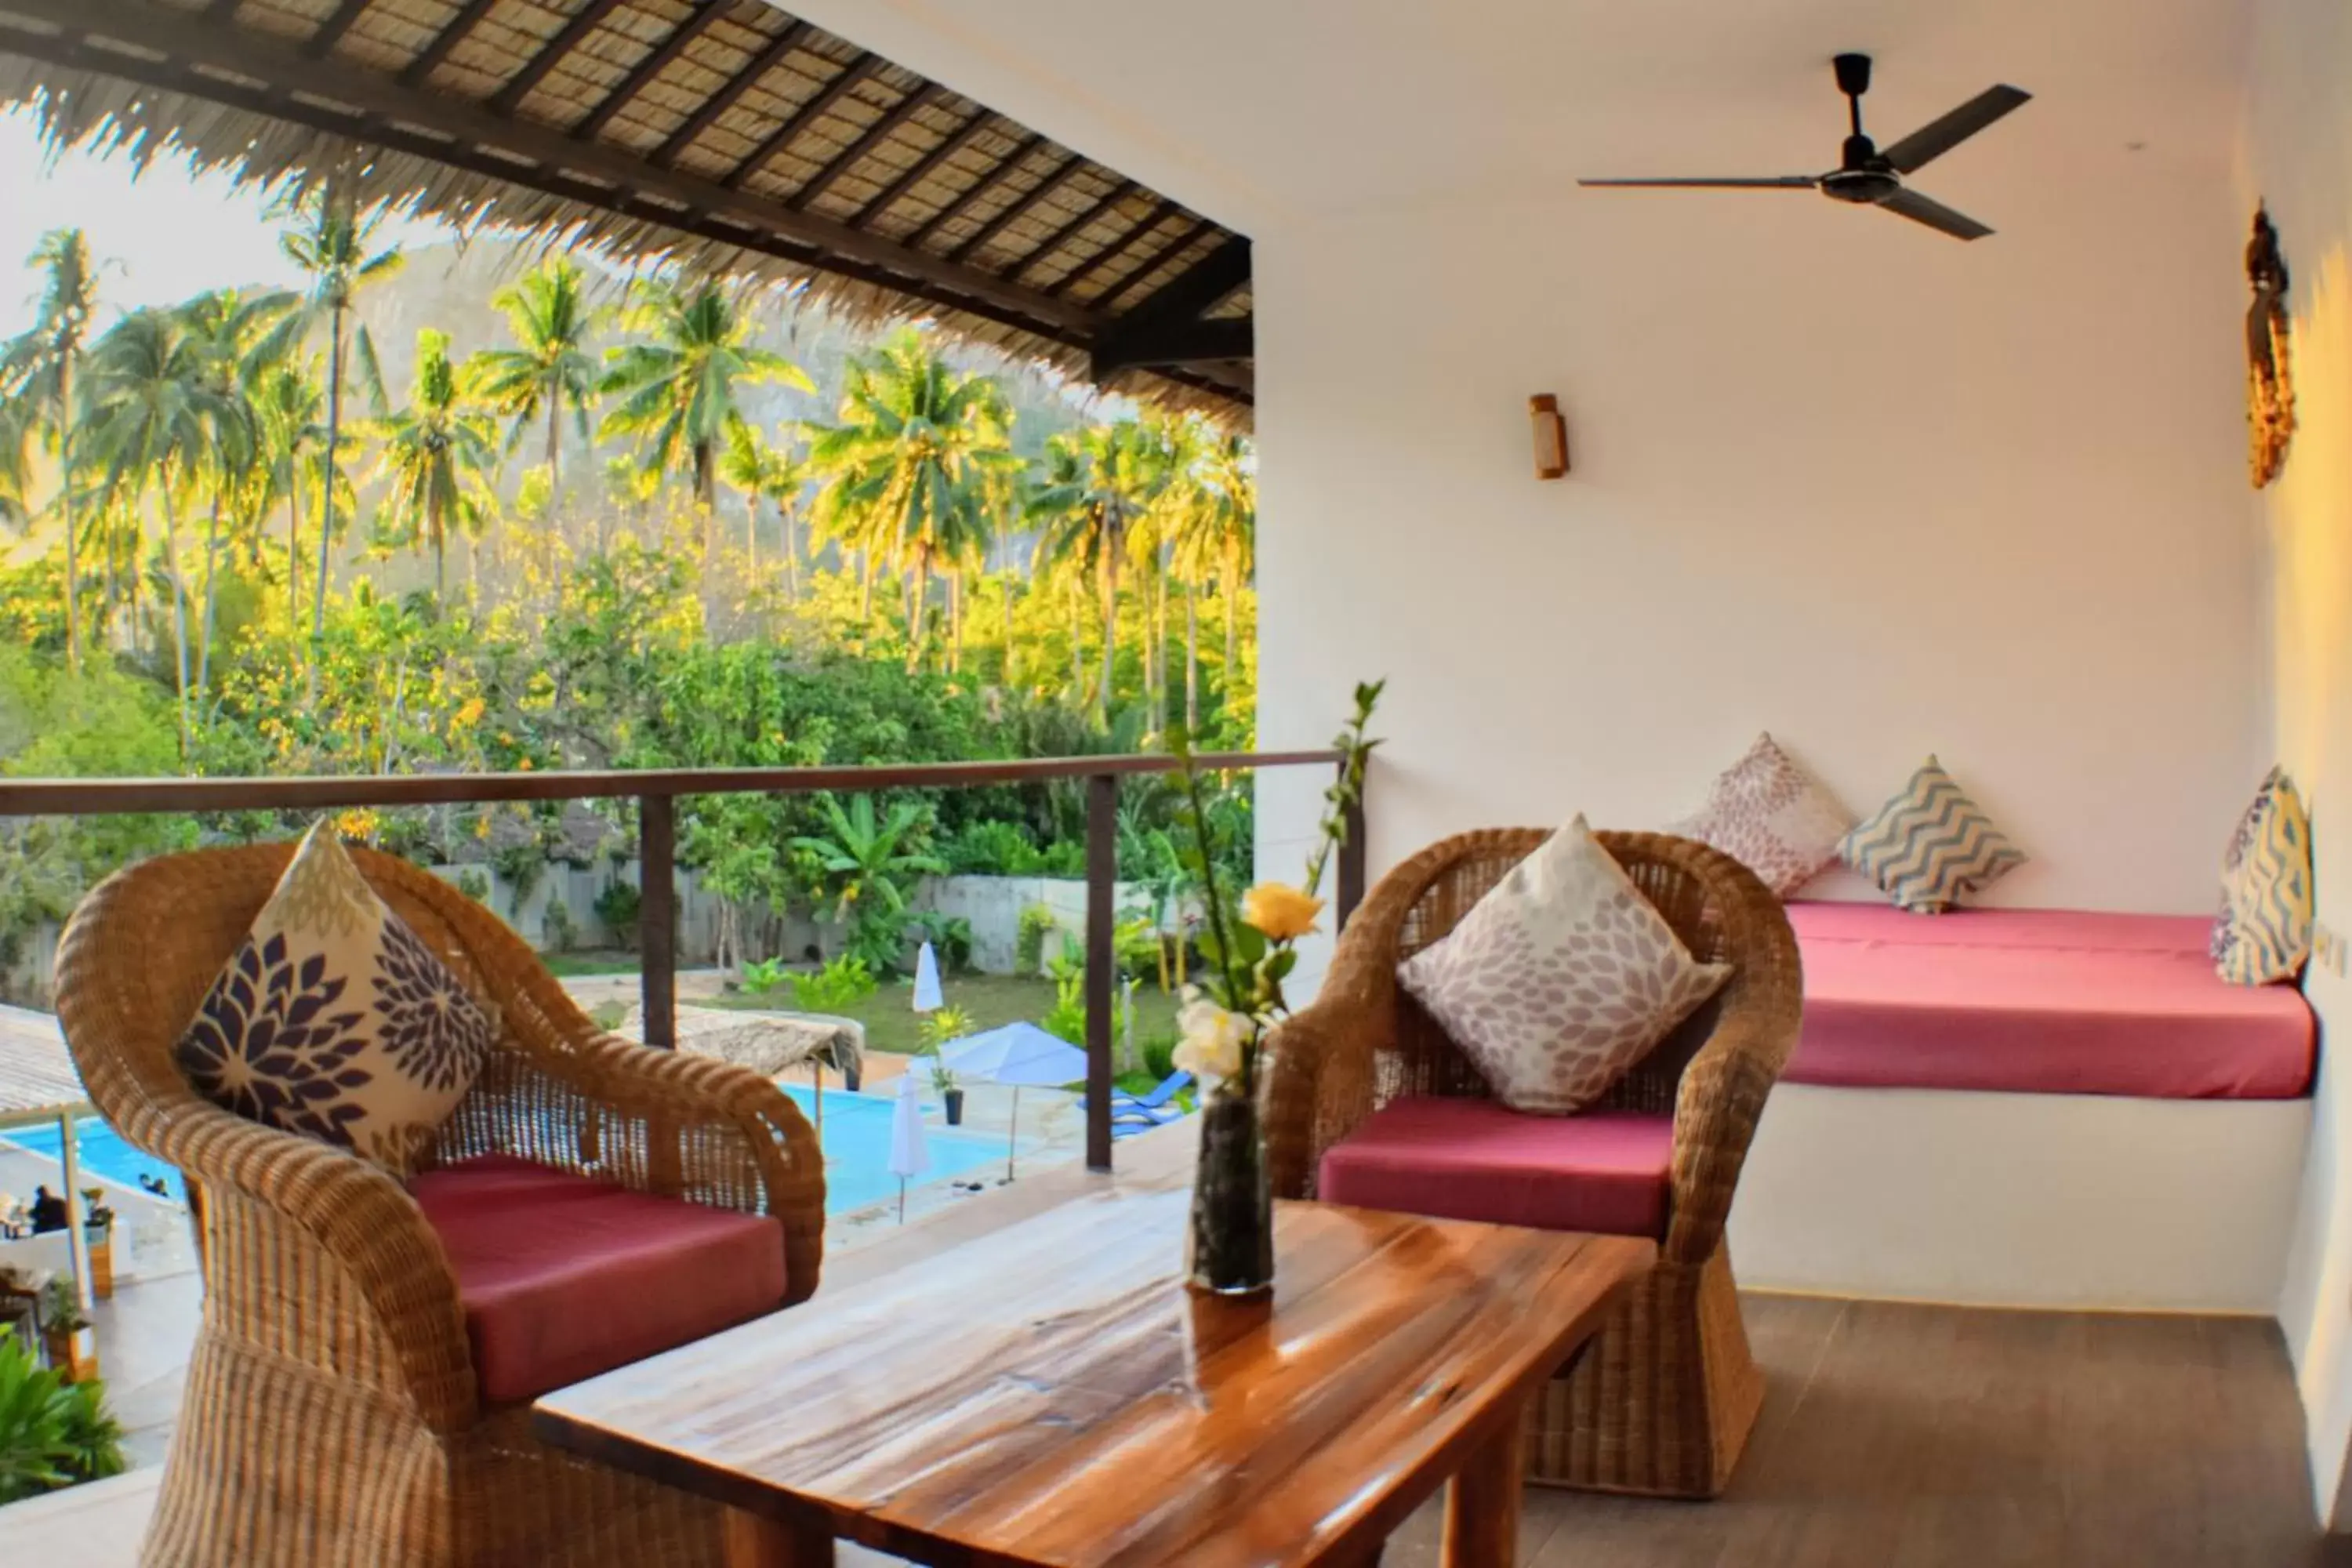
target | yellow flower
[
  {"x": 1212, "y": 1047},
  {"x": 1280, "y": 910},
  {"x": 471, "y": 713}
]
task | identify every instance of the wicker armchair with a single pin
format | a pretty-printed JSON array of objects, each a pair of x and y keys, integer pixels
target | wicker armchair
[
  {"x": 332, "y": 1413},
  {"x": 1662, "y": 1400}
]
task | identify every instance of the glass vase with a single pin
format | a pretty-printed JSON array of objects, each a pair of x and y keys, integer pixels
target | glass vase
[{"x": 1230, "y": 1248}]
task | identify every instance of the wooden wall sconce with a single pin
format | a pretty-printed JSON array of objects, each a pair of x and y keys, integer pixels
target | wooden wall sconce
[{"x": 1551, "y": 436}]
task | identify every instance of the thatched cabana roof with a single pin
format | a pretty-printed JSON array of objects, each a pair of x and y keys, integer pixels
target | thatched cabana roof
[{"x": 725, "y": 134}]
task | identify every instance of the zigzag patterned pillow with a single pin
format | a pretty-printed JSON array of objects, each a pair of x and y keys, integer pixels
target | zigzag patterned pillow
[
  {"x": 2265, "y": 929},
  {"x": 1930, "y": 845}
]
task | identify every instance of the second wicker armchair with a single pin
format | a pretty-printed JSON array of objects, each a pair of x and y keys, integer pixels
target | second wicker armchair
[{"x": 1662, "y": 1402}]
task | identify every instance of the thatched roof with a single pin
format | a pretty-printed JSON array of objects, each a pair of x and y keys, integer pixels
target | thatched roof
[{"x": 725, "y": 135}]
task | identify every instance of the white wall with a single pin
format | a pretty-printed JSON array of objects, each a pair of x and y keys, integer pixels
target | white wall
[
  {"x": 2297, "y": 155},
  {"x": 1837, "y": 476}
]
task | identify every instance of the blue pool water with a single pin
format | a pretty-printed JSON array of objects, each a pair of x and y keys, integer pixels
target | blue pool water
[{"x": 856, "y": 1150}]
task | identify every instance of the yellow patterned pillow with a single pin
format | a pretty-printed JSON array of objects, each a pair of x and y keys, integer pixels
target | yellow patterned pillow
[
  {"x": 334, "y": 1020},
  {"x": 2265, "y": 929}
]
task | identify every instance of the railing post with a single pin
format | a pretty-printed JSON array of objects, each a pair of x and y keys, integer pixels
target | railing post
[
  {"x": 1102, "y": 958},
  {"x": 1351, "y": 858},
  {"x": 657, "y": 917}
]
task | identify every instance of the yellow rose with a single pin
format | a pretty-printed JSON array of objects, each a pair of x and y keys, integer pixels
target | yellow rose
[{"x": 1280, "y": 910}]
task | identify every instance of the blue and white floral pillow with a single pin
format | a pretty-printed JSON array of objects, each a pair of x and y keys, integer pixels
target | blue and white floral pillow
[{"x": 333, "y": 1020}]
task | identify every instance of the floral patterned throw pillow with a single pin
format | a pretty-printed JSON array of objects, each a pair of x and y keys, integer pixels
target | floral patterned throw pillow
[
  {"x": 1773, "y": 816},
  {"x": 1561, "y": 979},
  {"x": 333, "y": 1020}
]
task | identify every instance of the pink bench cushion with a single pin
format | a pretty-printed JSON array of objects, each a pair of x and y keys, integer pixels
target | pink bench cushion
[
  {"x": 1473, "y": 1159},
  {"x": 562, "y": 1278},
  {"x": 2039, "y": 1001}
]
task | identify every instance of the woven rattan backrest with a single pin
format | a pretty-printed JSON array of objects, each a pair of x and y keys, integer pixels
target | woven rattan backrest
[{"x": 1427, "y": 1062}]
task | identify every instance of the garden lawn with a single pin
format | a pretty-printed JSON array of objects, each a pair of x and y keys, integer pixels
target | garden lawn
[{"x": 893, "y": 1024}]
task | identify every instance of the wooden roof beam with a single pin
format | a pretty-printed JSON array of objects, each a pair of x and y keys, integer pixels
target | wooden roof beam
[
  {"x": 352, "y": 100},
  {"x": 1160, "y": 212},
  {"x": 980, "y": 187},
  {"x": 331, "y": 31},
  {"x": 727, "y": 96},
  {"x": 535, "y": 69},
  {"x": 444, "y": 43},
  {"x": 697, "y": 23},
  {"x": 1174, "y": 343},
  {"x": 924, "y": 167},
  {"x": 1169, "y": 252},
  {"x": 1071, "y": 164},
  {"x": 1084, "y": 215},
  {"x": 1167, "y": 328},
  {"x": 898, "y": 113},
  {"x": 863, "y": 68}
]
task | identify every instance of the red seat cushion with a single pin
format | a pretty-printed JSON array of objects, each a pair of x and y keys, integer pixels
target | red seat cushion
[
  {"x": 2039, "y": 1001},
  {"x": 1473, "y": 1159},
  {"x": 562, "y": 1278}
]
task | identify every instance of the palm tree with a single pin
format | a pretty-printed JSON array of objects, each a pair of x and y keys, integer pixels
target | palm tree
[
  {"x": 1188, "y": 517},
  {"x": 762, "y": 472},
  {"x": 41, "y": 369},
  {"x": 335, "y": 244},
  {"x": 230, "y": 334},
  {"x": 912, "y": 466},
  {"x": 288, "y": 407},
  {"x": 158, "y": 418},
  {"x": 677, "y": 393},
  {"x": 1229, "y": 473},
  {"x": 1098, "y": 483},
  {"x": 436, "y": 457},
  {"x": 550, "y": 369}
]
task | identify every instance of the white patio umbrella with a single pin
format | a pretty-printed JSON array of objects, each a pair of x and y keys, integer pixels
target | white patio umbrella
[
  {"x": 1015, "y": 1055},
  {"x": 927, "y": 982},
  {"x": 909, "y": 1157}
]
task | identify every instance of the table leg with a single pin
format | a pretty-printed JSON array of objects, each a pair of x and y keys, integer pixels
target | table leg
[
  {"x": 755, "y": 1541},
  {"x": 1482, "y": 1501}
]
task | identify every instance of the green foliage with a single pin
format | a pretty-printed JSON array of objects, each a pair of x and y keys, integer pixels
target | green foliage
[
  {"x": 1029, "y": 940},
  {"x": 765, "y": 976},
  {"x": 1067, "y": 1017},
  {"x": 474, "y": 885},
  {"x": 617, "y": 905},
  {"x": 1138, "y": 944},
  {"x": 53, "y": 1434},
  {"x": 562, "y": 933},
  {"x": 946, "y": 1025},
  {"x": 1158, "y": 1054},
  {"x": 843, "y": 983}
]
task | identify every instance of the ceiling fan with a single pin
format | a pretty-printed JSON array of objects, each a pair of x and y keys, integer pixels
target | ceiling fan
[{"x": 1870, "y": 175}]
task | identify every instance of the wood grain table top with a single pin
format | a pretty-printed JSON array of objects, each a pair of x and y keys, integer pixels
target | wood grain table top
[{"x": 1051, "y": 1395}]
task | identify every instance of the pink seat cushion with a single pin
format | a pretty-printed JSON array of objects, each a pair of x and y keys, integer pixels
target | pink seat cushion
[
  {"x": 2039, "y": 1001},
  {"x": 1473, "y": 1159},
  {"x": 562, "y": 1278}
]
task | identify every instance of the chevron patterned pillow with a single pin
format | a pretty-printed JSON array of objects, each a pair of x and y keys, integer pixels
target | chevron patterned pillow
[
  {"x": 2265, "y": 929},
  {"x": 1930, "y": 845}
]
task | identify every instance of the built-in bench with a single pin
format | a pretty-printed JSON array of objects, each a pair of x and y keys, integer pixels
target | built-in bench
[{"x": 2030, "y": 1108}]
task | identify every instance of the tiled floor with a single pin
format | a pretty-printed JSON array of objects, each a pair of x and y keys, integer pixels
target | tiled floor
[{"x": 1893, "y": 1437}]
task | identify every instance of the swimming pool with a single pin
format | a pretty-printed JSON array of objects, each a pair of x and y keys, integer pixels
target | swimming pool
[{"x": 856, "y": 1150}]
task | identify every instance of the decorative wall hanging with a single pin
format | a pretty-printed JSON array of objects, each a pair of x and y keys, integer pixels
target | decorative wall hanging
[{"x": 2270, "y": 372}]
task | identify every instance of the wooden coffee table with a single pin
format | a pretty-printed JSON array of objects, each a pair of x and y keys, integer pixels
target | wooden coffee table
[{"x": 1051, "y": 1395}]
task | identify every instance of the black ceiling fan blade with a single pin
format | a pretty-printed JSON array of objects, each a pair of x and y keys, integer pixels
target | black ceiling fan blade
[
  {"x": 1939, "y": 137},
  {"x": 1777, "y": 182},
  {"x": 1935, "y": 214}
]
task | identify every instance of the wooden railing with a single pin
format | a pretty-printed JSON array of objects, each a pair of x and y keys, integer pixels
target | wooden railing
[{"x": 657, "y": 792}]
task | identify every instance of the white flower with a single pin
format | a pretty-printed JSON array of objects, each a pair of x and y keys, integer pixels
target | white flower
[{"x": 1212, "y": 1047}]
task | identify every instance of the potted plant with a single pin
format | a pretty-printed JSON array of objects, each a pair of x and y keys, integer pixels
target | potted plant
[
  {"x": 945, "y": 1024},
  {"x": 52, "y": 1435},
  {"x": 950, "y": 1093},
  {"x": 97, "y": 1231},
  {"x": 66, "y": 1330}
]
